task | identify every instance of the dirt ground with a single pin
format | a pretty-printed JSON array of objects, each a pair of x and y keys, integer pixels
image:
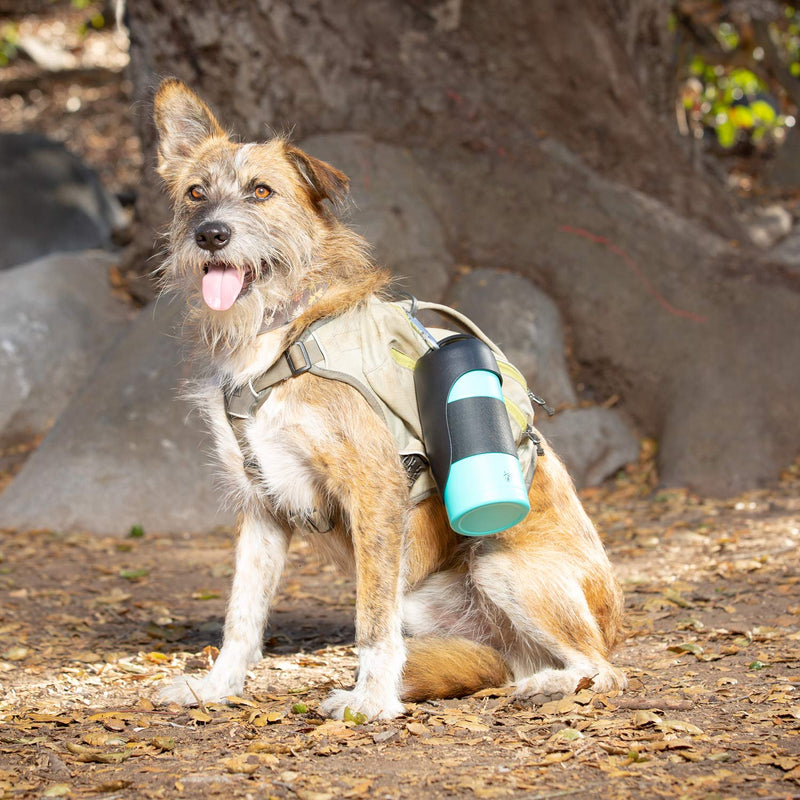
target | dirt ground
[{"x": 90, "y": 627}]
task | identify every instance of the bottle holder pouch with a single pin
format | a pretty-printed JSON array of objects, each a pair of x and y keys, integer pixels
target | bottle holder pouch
[{"x": 468, "y": 437}]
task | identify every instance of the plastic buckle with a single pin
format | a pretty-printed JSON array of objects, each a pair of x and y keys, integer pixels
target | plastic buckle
[
  {"x": 258, "y": 398},
  {"x": 230, "y": 400},
  {"x": 298, "y": 370}
]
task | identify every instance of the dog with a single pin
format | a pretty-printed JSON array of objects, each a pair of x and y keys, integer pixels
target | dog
[{"x": 254, "y": 237}]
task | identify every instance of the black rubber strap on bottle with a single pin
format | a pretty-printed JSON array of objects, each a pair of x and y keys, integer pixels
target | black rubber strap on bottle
[
  {"x": 478, "y": 425},
  {"x": 434, "y": 376}
]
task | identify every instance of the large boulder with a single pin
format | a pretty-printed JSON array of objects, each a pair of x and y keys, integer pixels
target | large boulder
[
  {"x": 593, "y": 442},
  {"x": 391, "y": 208},
  {"x": 126, "y": 452},
  {"x": 524, "y": 322},
  {"x": 57, "y": 317},
  {"x": 51, "y": 201}
]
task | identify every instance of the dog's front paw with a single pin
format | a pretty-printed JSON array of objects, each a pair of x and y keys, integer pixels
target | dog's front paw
[
  {"x": 186, "y": 691},
  {"x": 372, "y": 705}
]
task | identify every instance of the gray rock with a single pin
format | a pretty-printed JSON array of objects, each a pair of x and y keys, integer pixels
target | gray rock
[
  {"x": 57, "y": 317},
  {"x": 526, "y": 324},
  {"x": 593, "y": 442},
  {"x": 391, "y": 208},
  {"x": 766, "y": 225},
  {"x": 126, "y": 451},
  {"x": 788, "y": 252},
  {"x": 51, "y": 201}
]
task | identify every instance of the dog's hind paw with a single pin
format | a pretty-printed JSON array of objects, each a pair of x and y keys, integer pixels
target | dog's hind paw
[
  {"x": 553, "y": 684},
  {"x": 187, "y": 691},
  {"x": 373, "y": 707}
]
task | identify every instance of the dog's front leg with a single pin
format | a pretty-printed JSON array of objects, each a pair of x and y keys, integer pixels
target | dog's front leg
[
  {"x": 377, "y": 523},
  {"x": 260, "y": 558}
]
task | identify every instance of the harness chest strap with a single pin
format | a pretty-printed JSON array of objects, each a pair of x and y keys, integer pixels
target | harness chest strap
[{"x": 243, "y": 404}]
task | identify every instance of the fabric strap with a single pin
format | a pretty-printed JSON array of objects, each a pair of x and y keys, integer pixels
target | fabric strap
[{"x": 244, "y": 402}]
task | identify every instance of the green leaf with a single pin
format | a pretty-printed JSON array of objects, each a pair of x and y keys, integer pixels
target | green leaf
[
  {"x": 764, "y": 111},
  {"x": 133, "y": 574},
  {"x": 355, "y": 717},
  {"x": 205, "y": 595},
  {"x": 299, "y": 708},
  {"x": 726, "y": 133},
  {"x": 741, "y": 116},
  {"x": 687, "y": 647},
  {"x": 136, "y": 532},
  {"x": 566, "y": 735},
  {"x": 756, "y": 665}
]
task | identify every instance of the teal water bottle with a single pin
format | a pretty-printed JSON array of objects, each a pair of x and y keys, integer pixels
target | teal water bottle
[{"x": 468, "y": 437}]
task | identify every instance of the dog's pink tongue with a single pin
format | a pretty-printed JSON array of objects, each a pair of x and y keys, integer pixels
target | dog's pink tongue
[{"x": 221, "y": 286}]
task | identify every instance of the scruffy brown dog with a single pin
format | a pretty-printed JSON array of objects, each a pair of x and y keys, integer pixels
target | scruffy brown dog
[{"x": 536, "y": 605}]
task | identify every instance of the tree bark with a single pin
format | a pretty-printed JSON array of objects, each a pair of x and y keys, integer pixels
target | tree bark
[{"x": 547, "y": 134}]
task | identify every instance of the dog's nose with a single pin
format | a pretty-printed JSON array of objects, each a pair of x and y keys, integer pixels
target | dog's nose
[{"x": 212, "y": 235}]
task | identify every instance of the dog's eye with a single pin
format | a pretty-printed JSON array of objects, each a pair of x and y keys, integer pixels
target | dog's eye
[
  {"x": 262, "y": 192},
  {"x": 196, "y": 193}
]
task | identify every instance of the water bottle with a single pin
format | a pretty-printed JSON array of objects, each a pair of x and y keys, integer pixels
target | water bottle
[{"x": 468, "y": 437}]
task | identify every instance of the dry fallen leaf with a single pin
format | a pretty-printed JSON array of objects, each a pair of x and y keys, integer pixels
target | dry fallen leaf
[
  {"x": 681, "y": 726},
  {"x": 643, "y": 718},
  {"x": 17, "y": 653},
  {"x": 58, "y": 790},
  {"x": 241, "y": 764},
  {"x": 308, "y": 794}
]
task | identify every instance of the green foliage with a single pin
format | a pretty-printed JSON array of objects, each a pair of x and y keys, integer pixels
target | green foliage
[
  {"x": 9, "y": 41},
  {"x": 727, "y": 36},
  {"x": 787, "y": 36},
  {"x": 734, "y": 101},
  {"x": 96, "y": 22},
  {"x": 731, "y": 100}
]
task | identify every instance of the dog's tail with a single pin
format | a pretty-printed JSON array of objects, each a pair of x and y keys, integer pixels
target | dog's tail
[{"x": 450, "y": 666}]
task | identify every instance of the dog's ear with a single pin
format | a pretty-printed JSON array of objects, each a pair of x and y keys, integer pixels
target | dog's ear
[
  {"x": 324, "y": 181},
  {"x": 183, "y": 122}
]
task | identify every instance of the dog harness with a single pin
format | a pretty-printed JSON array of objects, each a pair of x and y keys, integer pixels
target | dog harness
[{"x": 374, "y": 349}]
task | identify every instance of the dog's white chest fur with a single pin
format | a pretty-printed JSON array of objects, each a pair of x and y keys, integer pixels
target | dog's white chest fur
[
  {"x": 277, "y": 440},
  {"x": 276, "y": 437}
]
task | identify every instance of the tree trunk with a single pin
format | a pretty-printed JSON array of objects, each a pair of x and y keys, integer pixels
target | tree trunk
[{"x": 546, "y": 133}]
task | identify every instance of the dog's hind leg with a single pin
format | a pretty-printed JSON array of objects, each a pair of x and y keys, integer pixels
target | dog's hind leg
[
  {"x": 556, "y": 639},
  {"x": 260, "y": 558}
]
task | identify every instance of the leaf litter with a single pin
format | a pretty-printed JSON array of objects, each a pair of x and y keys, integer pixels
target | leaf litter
[{"x": 88, "y": 631}]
